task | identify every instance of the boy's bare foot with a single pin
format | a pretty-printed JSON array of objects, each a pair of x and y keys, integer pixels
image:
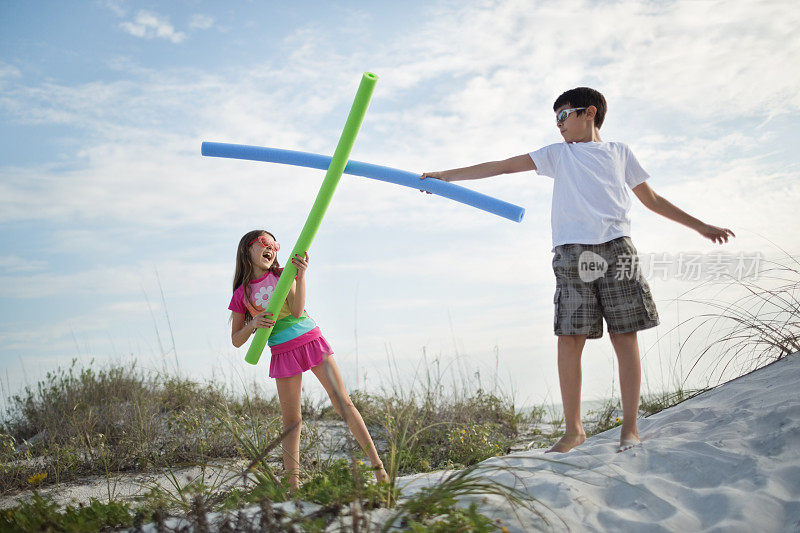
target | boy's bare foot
[
  {"x": 567, "y": 442},
  {"x": 627, "y": 442}
]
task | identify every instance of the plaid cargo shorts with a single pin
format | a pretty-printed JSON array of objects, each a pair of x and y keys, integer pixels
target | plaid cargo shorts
[{"x": 596, "y": 281}]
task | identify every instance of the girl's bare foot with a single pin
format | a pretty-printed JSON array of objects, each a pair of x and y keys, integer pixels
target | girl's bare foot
[
  {"x": 292, "y": 481},
  {"x": 567, "y": 442},
  {"x": 380, "y": 474}
]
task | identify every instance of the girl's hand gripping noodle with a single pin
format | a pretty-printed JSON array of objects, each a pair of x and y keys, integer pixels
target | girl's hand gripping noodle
[{"x": 323, "y": 200}]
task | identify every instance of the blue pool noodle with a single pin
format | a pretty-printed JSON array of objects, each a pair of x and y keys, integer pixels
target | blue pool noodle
[{"x": 367, "y": 170}]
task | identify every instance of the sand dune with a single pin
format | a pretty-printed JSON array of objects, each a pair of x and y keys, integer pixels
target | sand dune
[{"x": 727, "y": 460}]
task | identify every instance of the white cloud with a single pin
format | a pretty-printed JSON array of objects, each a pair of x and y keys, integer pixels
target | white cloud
[
  {"x": 495, "y": 73},
  {"x": 116, "y": 6},
  {"x": 8, "y": 75},
  {"x": 95, "y": 326},
  {"x": 201, "y": 22},
  {"x": 149, "y": 25},
  {"x": 9, "y": 71},
  {"x": 13, "y": 263},
  {"x": 183, "y": 276},
  {"x": 700, "y": 58}
]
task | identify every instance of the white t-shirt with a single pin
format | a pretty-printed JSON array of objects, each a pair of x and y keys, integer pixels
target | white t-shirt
[{"x": 590, "y": 202}]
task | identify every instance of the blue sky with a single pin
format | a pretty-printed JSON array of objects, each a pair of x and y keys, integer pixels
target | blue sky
[{"x": 105, "y": 201}]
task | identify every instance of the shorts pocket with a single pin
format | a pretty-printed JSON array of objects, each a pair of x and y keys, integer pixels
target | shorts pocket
[
  {"x": 556, "y": 305},
  {"x": 647, "y": 300},
  {"x": 557, "y": 262}
]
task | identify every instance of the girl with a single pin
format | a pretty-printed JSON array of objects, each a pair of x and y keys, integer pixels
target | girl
[{"x": 296, "y": 343}]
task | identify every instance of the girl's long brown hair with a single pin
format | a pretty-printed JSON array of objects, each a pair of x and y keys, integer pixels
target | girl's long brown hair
[{"x": 244, "y": 268}]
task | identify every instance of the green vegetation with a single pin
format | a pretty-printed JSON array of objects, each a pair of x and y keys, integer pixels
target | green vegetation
[
  {"x": 80, "y": 422},
  {"x": 41, "y": 514},
  {"x": 434, "y": 508},
  {"x": 431, "y": 430}
]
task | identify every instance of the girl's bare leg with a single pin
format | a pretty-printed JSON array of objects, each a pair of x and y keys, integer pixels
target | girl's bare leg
[
  {"x": 289, "y": 397},
  {"x": 330, "y": 378}
]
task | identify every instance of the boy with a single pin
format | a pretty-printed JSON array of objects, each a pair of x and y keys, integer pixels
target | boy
[{"x": 595, "y": 263}]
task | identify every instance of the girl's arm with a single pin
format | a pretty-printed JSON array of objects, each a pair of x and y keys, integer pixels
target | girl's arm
[
  {"x": 519, "y": 163},
  {"x": 241, "y": 329},
  {"x": 665, "y": 208},
  {"x": 297, "y": 293}
]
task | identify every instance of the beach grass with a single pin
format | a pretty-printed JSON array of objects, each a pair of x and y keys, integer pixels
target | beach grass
[
  {"x": 758, "y": 327},
  {"x": 91, "y": 421}
]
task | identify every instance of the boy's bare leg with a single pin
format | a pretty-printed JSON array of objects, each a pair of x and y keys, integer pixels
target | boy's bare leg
[
  {"x": 626, "y": 346},
  {"x": 570, "y": 348}
]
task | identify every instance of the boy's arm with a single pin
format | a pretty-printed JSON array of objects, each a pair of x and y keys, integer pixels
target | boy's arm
[
  {"x": 518, "y": 163},
  {"x": 665, "y": 208}
]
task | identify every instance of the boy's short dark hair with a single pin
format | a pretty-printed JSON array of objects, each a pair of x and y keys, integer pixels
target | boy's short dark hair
[{"x": 584, "y": 97}]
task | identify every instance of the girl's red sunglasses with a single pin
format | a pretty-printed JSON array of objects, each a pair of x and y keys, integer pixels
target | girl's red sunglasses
[{"x": 263, "y": 241}]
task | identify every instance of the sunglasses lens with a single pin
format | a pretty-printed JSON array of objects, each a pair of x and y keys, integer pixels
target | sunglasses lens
[
  {"x": 266, "y": 244},
  {"x": 561, "y": 117}
]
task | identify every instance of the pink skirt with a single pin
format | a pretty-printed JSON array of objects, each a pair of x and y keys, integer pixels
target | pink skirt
[{"x": 298, "y": 355}]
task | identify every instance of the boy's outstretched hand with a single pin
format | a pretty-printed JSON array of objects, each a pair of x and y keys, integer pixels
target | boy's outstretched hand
[
  {"x": 434, "y": 175},
  {"x": 715, "y": 234}
]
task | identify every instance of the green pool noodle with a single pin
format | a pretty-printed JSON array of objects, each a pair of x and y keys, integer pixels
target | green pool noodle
[{"x": 323, "y": 200}]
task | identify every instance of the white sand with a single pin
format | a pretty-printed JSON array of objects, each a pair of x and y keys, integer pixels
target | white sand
[{"x": 727, "y": 460}]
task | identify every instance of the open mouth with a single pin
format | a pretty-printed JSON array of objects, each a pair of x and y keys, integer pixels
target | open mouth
[{"x": 267, "y": 255}]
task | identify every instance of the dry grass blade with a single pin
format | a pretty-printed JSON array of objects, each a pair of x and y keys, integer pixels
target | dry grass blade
[
  {"x": 759, "y": 326},
  {"x": 269, "y": 447}
]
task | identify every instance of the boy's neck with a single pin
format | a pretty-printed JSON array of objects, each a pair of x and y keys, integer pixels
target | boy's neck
[{"x": 592, "y": 136}]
